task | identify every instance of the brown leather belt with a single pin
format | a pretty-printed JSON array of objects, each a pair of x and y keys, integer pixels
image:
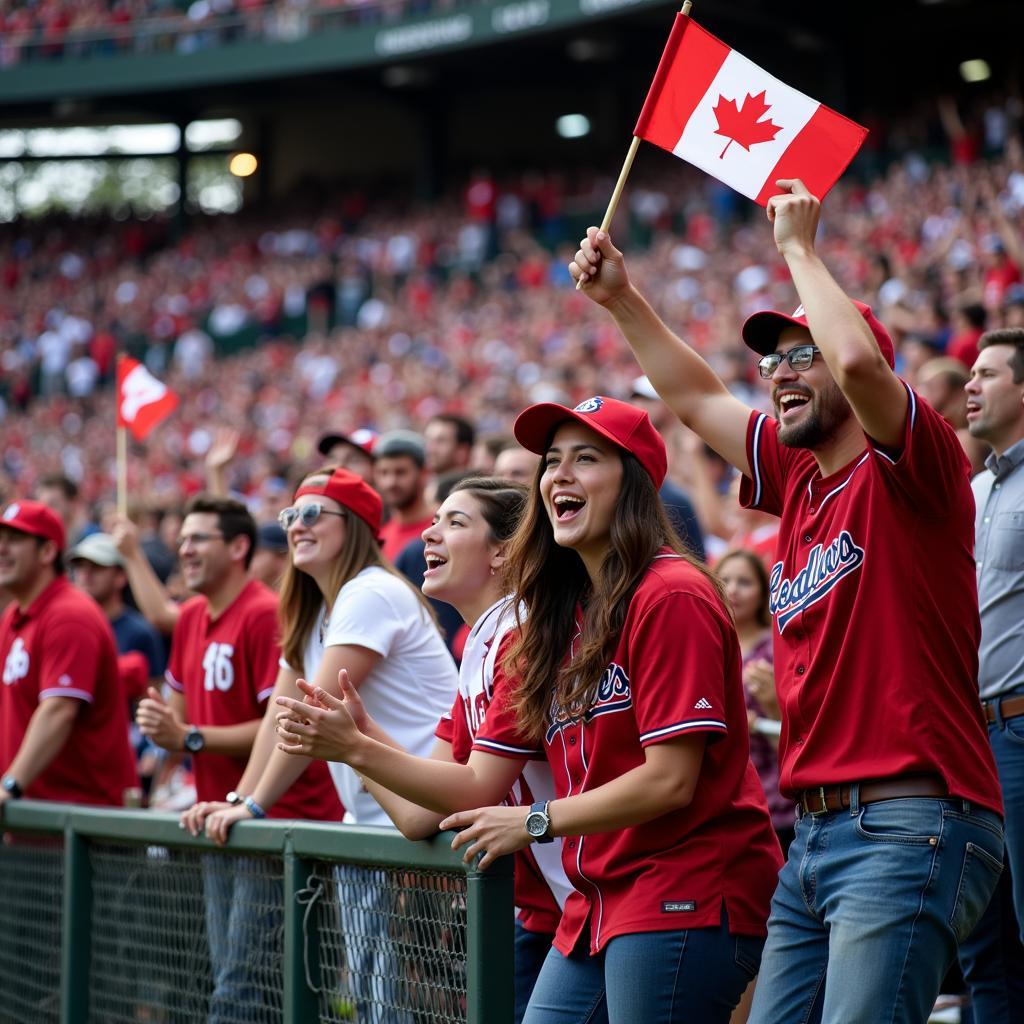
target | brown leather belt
[
  {"x": 825, "y": 799},
  {"x": 1010, "y": 707}
]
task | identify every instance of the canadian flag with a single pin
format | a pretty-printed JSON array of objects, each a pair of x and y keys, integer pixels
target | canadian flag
[
  {"x": 715, "y": 109},
  {"x": 142, "y": 400}
]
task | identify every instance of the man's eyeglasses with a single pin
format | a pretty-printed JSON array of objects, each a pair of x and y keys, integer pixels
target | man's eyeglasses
[
  {"x": 306, "y": 514},
  {"x": 197, "y": 538},
  {"x": 799, "y": 358}
]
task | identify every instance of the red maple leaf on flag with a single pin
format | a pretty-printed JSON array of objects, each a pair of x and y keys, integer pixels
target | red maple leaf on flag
[{"x": 743, "y": 124}]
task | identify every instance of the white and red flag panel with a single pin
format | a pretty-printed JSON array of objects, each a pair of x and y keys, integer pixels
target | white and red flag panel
[
  {"x": 142, "y": 400},
  {"x": 712, "y": 107}
]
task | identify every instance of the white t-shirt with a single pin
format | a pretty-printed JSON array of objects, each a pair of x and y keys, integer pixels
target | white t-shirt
[{"x": 406, "y": 691}]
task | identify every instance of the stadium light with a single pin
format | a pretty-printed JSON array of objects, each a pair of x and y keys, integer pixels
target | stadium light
[
  {"x": 243, "y": 164},
  {"x": 975, "y": 71},
  {"x": 573, "y": 126}
]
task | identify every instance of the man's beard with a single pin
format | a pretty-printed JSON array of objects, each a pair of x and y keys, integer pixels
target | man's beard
[{"x": 829, "y": 411}]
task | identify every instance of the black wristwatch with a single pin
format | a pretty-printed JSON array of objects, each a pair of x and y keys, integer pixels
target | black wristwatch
[
  {"x": 10, "y": 786},
  {"x": 538, "y": 824},
  {"x": 194, "y": 740}
]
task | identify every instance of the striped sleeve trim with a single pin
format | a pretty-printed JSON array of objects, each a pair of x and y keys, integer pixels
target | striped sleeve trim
[
  {"x": 504, "y": 749},
  {"x": 66, "y": 691},
  {"x": 264, "y": 694},
  {"x": 676, "y": 728},
  {"x": 755, "y": 458},
  {"x": 172, "y": 682}
]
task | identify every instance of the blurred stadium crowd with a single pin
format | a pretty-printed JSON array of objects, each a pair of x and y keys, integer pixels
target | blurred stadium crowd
[
  {"x": 55, "y": 29},
  {"x": 350, "y": 312}
]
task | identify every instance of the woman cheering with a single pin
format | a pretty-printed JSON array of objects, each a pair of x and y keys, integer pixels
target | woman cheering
[{"x": 627, "y": 673}]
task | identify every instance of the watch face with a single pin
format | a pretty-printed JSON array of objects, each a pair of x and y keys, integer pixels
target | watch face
[
  {"x": 194, "y": 742},
  {"x": 536, "y": 823}
]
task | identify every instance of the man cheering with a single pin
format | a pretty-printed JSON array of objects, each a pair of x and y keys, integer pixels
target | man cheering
[{"x": 898, "y": 844}]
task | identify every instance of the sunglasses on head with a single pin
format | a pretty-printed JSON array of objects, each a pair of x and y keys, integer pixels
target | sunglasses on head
[
  {"x": 306, "y": 514},
  {"x": 799, "y": 358}
]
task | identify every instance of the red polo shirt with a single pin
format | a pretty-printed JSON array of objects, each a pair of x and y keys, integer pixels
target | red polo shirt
[
  {"x": 62, "y": 646},
  {"x": 226, "y": 669},
  {"x": 876, "y": 610},
  {"x": 675, "y": 671}
]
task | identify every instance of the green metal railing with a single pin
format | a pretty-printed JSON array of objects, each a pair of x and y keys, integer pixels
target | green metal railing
[{"x": 105, "y": 917}]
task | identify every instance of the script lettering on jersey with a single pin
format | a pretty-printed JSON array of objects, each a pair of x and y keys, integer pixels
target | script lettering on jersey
[
  {"x": 613, "y": 694},
  {"x": 825, "y": 567},
  {"x": 16, "y": 665}
]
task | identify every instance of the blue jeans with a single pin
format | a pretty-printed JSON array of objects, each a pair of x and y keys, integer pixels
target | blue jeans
[
  {"x": 532, "y": 949},
  {"x": 869, "y": 909},
  {"x": 244, "y": 922},
  {"x": 696, "y": 975},
  {"x": 993, "y": 957}
]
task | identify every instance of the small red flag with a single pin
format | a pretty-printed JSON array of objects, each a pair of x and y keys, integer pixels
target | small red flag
[
  {"x": 706, "y": 96},
  {"x": 142, "y": 400}
]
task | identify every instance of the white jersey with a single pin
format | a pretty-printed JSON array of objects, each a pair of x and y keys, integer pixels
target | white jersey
[
  {"x": 406, "y": 691},
  {"x": 476, "y": 691}
]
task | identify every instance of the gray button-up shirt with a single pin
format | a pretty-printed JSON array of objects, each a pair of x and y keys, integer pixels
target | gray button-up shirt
[{"x": 999, "y": 552}]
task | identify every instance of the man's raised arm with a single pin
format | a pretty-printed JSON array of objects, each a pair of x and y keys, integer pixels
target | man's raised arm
[
  {"x": 685, "y": 382},
  {"x": 875, "y": 393}
]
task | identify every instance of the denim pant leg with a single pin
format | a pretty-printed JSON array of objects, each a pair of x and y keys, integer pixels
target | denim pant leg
[
  {"x": 791, "y": 982},
  {"x": 569, "y": 990},
  {"x": 1008, "y": 747},
  {"x": 896, "y": 885},
  {"x": 694, "y": 976},
  {"x": 992, "y": 961},
  {"x": 531, "y": 949},
  {"x": 244, "y": 919}
]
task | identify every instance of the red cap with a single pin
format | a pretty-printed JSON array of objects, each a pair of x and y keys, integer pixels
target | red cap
[
  {"x": 35, "y": 518},
  {"x": 762, "y": 329},
  {"x": 353, "y": 493},
  {"x": 621, "y": 423},
  {"x": 364, "y": 438}
]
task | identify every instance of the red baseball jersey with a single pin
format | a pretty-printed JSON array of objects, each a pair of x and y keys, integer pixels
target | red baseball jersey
[
  {"x": 226, "y": 668},
  {"x": 541, "y": 886},
  {"x": 675, "y": 672},
  {"x": 62, "y": 646},
  {"x": 875, "y": 607}
]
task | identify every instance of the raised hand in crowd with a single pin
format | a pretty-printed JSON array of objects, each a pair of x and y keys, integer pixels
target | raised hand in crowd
[
  {"x": 150, "y": 594},
  {"x": 218, "y": 458}
]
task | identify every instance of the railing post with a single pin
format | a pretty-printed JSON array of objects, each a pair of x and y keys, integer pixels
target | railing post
[
  {"x": 76, "y": 931},
  {"x": 490, "y": 944},
  {"x": 300, "y": 1001}
]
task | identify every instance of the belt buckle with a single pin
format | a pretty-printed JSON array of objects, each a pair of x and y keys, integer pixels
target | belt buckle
[{"x": 824, "y": 804}]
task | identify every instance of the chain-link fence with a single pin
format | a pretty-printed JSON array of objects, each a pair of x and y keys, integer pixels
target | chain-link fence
[
  {"x": 31, "y": 886},
  {"x": 309, "y": 923}
]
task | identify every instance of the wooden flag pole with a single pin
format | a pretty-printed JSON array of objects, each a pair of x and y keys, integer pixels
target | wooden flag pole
[
  {"x": 627, "y": 165},
  {"x": 122, "y": 471}
]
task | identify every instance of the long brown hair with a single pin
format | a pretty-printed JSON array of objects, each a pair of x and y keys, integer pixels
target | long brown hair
[
  {"x": 551, "y": 582},
  {"x": 301, "y": 599}
]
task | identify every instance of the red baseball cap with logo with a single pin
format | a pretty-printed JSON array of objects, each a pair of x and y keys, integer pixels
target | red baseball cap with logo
[
  {"x": 621, "y": 423},
  {"x": 761, "y": 330},
  {"x": 35, "y": 518},
  {"x": 353, "y": 493}
]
